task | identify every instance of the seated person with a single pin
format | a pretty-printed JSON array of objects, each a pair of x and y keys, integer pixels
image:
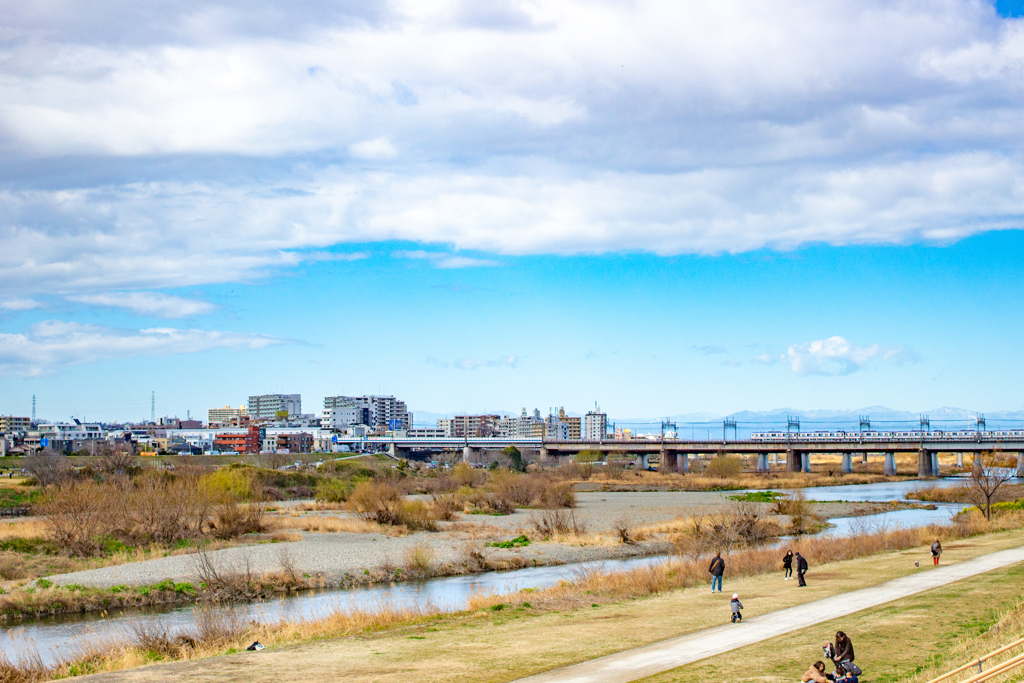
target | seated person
[{"x": 816, "y": 673}]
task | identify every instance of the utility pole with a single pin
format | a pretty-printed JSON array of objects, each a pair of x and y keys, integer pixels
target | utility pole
[
  {"x": 152, "y": 408},
  {"x": 33, "y": 408}
]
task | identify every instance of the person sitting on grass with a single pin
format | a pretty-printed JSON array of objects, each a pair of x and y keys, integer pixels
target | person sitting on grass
[
  {"x": 842, "y": 650},
  {"x": 816, "y": 673},
  {"x": 736, "y": 605}
]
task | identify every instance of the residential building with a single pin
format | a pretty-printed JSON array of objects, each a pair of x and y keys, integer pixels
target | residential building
[
  {"x": 473, "y": 426},
  {"x": 227, "y": 416},
  {"x": 506, "y": 427},
  {"x": 9, "y": 424},
  {"x": 239, "y": 441},
  {"x": 266, "y": 408},
  {"x": 295, "y": 442},
  {"x": 385, "y": 413},
  {"x": 529, "y": 426},
  {"x": 595, "y": 425},
  {"x": 344, "y": 416},
  {"x": 574, "y": 425}
]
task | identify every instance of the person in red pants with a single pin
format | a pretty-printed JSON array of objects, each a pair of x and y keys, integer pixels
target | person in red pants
[{"x": 936, "y": 552}]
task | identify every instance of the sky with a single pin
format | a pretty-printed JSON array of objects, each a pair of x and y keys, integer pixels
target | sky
[{"x": 659, "y": 207}]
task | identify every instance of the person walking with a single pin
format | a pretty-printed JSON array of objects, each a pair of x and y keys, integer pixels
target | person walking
[
  {"x": 801, "y": 569},
  {"x": 936, "y": 552},
  {"x": 787, "y": 564},
  {"x": 736, "y": 606},
  {"x": 717, "y": 569}
]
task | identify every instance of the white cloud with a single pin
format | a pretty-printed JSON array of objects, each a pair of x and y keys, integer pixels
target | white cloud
[
  {"x": 837, "y": 356},
  {"x": 474, "y": 363},
  {"x": 704, "y": 128},
  {"x": 50, "y": 345},
  {"x": 378, "y": 148},
  {"x": 710, "y": 349},
  {"x": 443, "y": 260},
  {"x": 148, "y": 303},
  {"x": 19, "y": 305}
]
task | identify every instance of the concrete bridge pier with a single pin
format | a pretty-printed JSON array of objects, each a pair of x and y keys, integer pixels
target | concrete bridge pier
[
  {"x": 762, "y": 462},
  {"x": 935, "y": 463},
  {"x": 960, "y": 459},
  {"x": 683, "y": 466},
  {"x": 890, "y": 464},
  {"x": 775, "y": 458},
  {"x": 865, "y": 460},
  {"x": 467, "y": 454},
  {"x": 543, "y": 453},
  {"x": 1020, "y": 464},
  {"x": 847, "y": 463},
  {"x": 641, "y": 461},
  {"x": 669, "y": 461},
  {"x": 924, "y": 463},
  {"x": 792, "y": 461},
  {"x": 805, "y": 461}
]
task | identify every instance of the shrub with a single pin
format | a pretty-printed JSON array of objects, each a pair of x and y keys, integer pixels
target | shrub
[
  {"x": 236, "y": 482},
  {"x": 419, "y": 558},
  {"x": 333, "y": 490},
  {"x": 381, "y": 503},
  {"x": 724, "y": 467}
]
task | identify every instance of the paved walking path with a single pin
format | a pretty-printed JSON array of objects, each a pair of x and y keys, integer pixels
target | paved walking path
[{"x": 641, "y": 662}]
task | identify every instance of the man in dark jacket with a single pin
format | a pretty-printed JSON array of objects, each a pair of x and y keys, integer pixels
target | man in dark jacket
[
  {"x": 801, "y": 569},
  {"x": 716, "y": 570}
]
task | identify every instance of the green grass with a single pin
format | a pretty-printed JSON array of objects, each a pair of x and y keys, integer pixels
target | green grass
[
  {"x": 893, "y": 642},
  {"x": 758, "y": 496}
]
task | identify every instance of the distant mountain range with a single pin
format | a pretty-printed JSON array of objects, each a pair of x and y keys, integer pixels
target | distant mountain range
[{"x": 756, "y": 420}]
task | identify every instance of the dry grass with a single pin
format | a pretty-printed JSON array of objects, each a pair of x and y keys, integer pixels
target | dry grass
[
  {"x": 962, "y": 493},
  {"x": 29, "y": 528},
  {"x": 1008, "y": 627},
  {"x": 329, "y": 525}
]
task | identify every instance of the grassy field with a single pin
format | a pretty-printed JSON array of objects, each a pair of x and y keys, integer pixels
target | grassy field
[
  {"x": 893, "y": 643},
  {"x": 504, "y": 644}
]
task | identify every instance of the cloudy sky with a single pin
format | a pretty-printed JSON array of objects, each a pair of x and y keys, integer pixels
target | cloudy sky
[{"x": 665, "y": 207}]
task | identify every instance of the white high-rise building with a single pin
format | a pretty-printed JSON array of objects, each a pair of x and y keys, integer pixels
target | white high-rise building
[
  {"x": 595, "y": 425},
  {"x": 267, "y": 406},
  {"x": 383, "y": 413}
]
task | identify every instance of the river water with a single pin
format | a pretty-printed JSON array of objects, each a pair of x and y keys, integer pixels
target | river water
[{"x": 65, "y": 635}]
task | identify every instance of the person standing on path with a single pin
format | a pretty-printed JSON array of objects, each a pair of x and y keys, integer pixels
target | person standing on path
[
  {"x": 936, "y": 552},
  {"x": 717, "y": 569},
  {"x": 801, "y": 569},
  {"x": 787, "y": 564}
]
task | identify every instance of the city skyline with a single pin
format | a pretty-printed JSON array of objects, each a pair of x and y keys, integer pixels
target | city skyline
[{"x": 477, "y": 208}]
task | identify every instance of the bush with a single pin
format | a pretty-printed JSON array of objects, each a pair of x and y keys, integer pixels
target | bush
[
  {"x": 724, "y": 467},
  {"x": 333, "y": 491},
  {"x": 382, "y": 503}
]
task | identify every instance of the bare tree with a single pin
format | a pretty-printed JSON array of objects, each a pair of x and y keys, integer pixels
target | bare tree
[
  {"x": 115, "y": 458},
  {"x": 48, "y": 468},
  {"x": 990, "y": 471}
]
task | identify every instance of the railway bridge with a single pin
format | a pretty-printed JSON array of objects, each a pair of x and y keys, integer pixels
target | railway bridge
[{"x": 674, "y": 454}]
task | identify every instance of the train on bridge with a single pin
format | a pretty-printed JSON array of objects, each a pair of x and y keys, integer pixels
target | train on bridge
[{"x": 860, "y": 437}]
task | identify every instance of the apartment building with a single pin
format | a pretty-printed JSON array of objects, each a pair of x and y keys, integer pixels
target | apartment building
[
  {"x": 384, "y": 413},
  {"x": 9, "y": 424},
  {"x": 472, "y": 426},
  {"x": 265, "y": 408},
  {"x": 239, "y": 441},
  {"x": 227, "y": 416},
  {"x": 595, "y": 425}
]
